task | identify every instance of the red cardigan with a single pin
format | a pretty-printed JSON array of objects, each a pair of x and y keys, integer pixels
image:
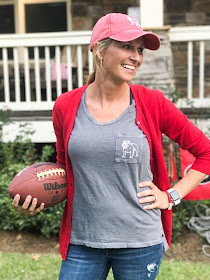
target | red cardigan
[{"x": 154, "y": 115}]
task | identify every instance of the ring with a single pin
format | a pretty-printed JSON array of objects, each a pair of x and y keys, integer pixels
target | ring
[{"x": 155, "y": 197}]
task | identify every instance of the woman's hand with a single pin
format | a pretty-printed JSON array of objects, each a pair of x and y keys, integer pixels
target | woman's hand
[
  {"x": 29, "y": 206},
  {"x": 155, "y": 196}
]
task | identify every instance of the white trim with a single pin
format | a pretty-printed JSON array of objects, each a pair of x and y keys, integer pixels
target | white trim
[
  {"x": 190, "y": 70},
  {"x": 58, "y": 70},
  {"x": 202, "y": 69},
  {"x": 189, "y": 33},
  {"x": 48, "y": 74},
  {"x": 43, "y": 130},
  {"x": 37, "y": 74},
  {"x": 17, "y": 75},
  {"x": 152, "y": 13},
  {"x": 79, "y": 68},
  {"x": 6, "y": 74},
  {"x": 45, "y": 39},
  {"x": 27, "y": 75},
  {"x": 20, "y": 17}
]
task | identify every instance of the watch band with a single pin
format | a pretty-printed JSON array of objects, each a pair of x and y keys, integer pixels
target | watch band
[
  {"x": 174, "y": 196},
  {"x": 170, "y": 201}
]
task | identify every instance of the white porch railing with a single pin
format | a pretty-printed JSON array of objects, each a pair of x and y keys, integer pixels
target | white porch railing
[
  {"x": 192, "y": 34},
  {"x": 30, "y": 81},
  {"x": 33, "y": 66}
]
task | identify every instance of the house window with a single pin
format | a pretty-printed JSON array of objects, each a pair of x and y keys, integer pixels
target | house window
[
  {"x": 47, "y": 17},
  {"x": 7, "y": 23}
]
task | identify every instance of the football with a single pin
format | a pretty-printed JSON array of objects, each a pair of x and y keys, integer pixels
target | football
[{"x": 45, "y": 181}]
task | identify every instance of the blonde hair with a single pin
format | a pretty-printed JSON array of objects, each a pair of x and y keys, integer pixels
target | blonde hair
[{"x": 97, "y": 61}]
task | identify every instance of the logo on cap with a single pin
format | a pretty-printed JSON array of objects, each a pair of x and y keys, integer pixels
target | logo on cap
[{"x": 133, "y": 21}]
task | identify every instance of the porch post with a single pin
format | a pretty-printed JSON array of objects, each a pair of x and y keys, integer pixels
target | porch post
[
  {"x": 151, "y": 13},
  {"x": 20, "y": 17}
]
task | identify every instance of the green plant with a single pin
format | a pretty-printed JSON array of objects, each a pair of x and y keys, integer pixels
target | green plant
[
  {"x": 14, "y": 156},
  {"x": 181, "y": 215},
  {"x": 174, "y": 94}
]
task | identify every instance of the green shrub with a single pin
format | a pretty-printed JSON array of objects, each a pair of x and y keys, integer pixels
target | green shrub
[
  {"x": 47, "y": 222},
  {"x": 181, "y": 215},
  {"x": 14, "y": 156}
]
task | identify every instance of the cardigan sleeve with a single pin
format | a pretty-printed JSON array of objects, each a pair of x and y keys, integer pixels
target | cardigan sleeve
[
  {"x": 180, "y": 129},
  {"x": 58, "y": 128}
]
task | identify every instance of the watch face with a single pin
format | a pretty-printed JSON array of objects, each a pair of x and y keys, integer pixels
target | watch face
[{"x": 174, "y": 195}]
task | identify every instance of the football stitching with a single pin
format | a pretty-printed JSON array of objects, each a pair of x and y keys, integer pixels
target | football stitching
[{"x": 41, "y": 175}]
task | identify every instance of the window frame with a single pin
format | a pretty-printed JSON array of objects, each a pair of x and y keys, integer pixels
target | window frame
[{"x": 19, "y": 12}]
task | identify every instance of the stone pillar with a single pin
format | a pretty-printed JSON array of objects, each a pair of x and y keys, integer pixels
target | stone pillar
[{"x": 157, "y": 71}]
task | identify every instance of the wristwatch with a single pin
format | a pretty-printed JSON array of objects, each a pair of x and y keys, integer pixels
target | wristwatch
[{"x": 174, "y": 196}]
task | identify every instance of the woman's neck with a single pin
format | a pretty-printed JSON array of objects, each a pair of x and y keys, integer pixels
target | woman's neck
[
  {"x": 108, "y": 92},
  {"x": 106, "y": 102}
]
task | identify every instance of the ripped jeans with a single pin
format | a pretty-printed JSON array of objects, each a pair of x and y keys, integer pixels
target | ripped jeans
[{"x": 84, "y": 263}]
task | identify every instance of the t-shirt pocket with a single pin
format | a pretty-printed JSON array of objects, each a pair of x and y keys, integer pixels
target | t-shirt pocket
[{"x": 129, "y": 148}]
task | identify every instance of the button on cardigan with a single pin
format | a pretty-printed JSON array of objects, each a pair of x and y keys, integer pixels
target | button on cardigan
[{"x": 155, "y": 115}]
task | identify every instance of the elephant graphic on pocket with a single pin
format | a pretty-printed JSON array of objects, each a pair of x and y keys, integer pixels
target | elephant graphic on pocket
[{"x": 129, "y": 149}]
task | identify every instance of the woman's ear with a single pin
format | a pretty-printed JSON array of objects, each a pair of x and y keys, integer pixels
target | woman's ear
[{"x": 98, "y": 52}]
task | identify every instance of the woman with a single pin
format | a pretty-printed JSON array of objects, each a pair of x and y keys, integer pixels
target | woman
[{"x": 109, "y": 139}]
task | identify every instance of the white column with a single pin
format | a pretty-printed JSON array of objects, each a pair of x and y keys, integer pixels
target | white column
[
  {"x": 190, "y": 70},
  {"x": 151, "y": 13},
  {"x": 202, "y": 70},
  {"x": 20, "y": 17},
  {"x": 20, "y": 24}
]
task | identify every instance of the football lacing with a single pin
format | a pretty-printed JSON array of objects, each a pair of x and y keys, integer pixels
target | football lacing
[{"x": 60, "y": 171}]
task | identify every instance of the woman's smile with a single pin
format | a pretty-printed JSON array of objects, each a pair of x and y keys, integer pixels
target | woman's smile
[{"x": 121, "y": 60}]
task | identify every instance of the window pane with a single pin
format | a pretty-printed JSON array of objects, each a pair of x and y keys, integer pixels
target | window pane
[
  {"x": 7, "y": 19},
  {"x": 45, "y": 17}
]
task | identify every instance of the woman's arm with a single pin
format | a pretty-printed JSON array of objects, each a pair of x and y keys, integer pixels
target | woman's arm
[
  {"x": 160, "y": 198},
  {"x": 189, "y": 182}
]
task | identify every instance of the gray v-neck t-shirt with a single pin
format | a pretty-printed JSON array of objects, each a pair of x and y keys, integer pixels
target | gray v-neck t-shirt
[{"x": 109, "y": 160}]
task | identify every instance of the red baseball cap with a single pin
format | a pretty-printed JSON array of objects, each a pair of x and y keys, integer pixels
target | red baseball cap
[{"x": 121, "y": 27}]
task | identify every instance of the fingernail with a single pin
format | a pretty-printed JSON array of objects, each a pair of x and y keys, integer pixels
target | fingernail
[
  {"x": 139, "y": 194},
  {"x": 140, "y": 185}
]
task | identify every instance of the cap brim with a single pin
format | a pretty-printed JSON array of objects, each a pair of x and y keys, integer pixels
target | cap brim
[{"x": 151, "y": 40}]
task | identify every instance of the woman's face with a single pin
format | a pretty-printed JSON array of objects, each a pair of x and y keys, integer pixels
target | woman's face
[{"x": 121, "y": 60}]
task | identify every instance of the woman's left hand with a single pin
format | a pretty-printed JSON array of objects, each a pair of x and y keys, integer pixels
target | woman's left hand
[{"x": 155, "y": 196}]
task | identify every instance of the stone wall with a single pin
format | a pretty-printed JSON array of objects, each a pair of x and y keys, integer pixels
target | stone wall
[
  {"x": 157, "y": 70},
  {"x": 180, "y": 68},
  {"x": 166, "y": 68},
  {"x": 187, "y": 12},
  {"x": 85, "y": 13}
]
